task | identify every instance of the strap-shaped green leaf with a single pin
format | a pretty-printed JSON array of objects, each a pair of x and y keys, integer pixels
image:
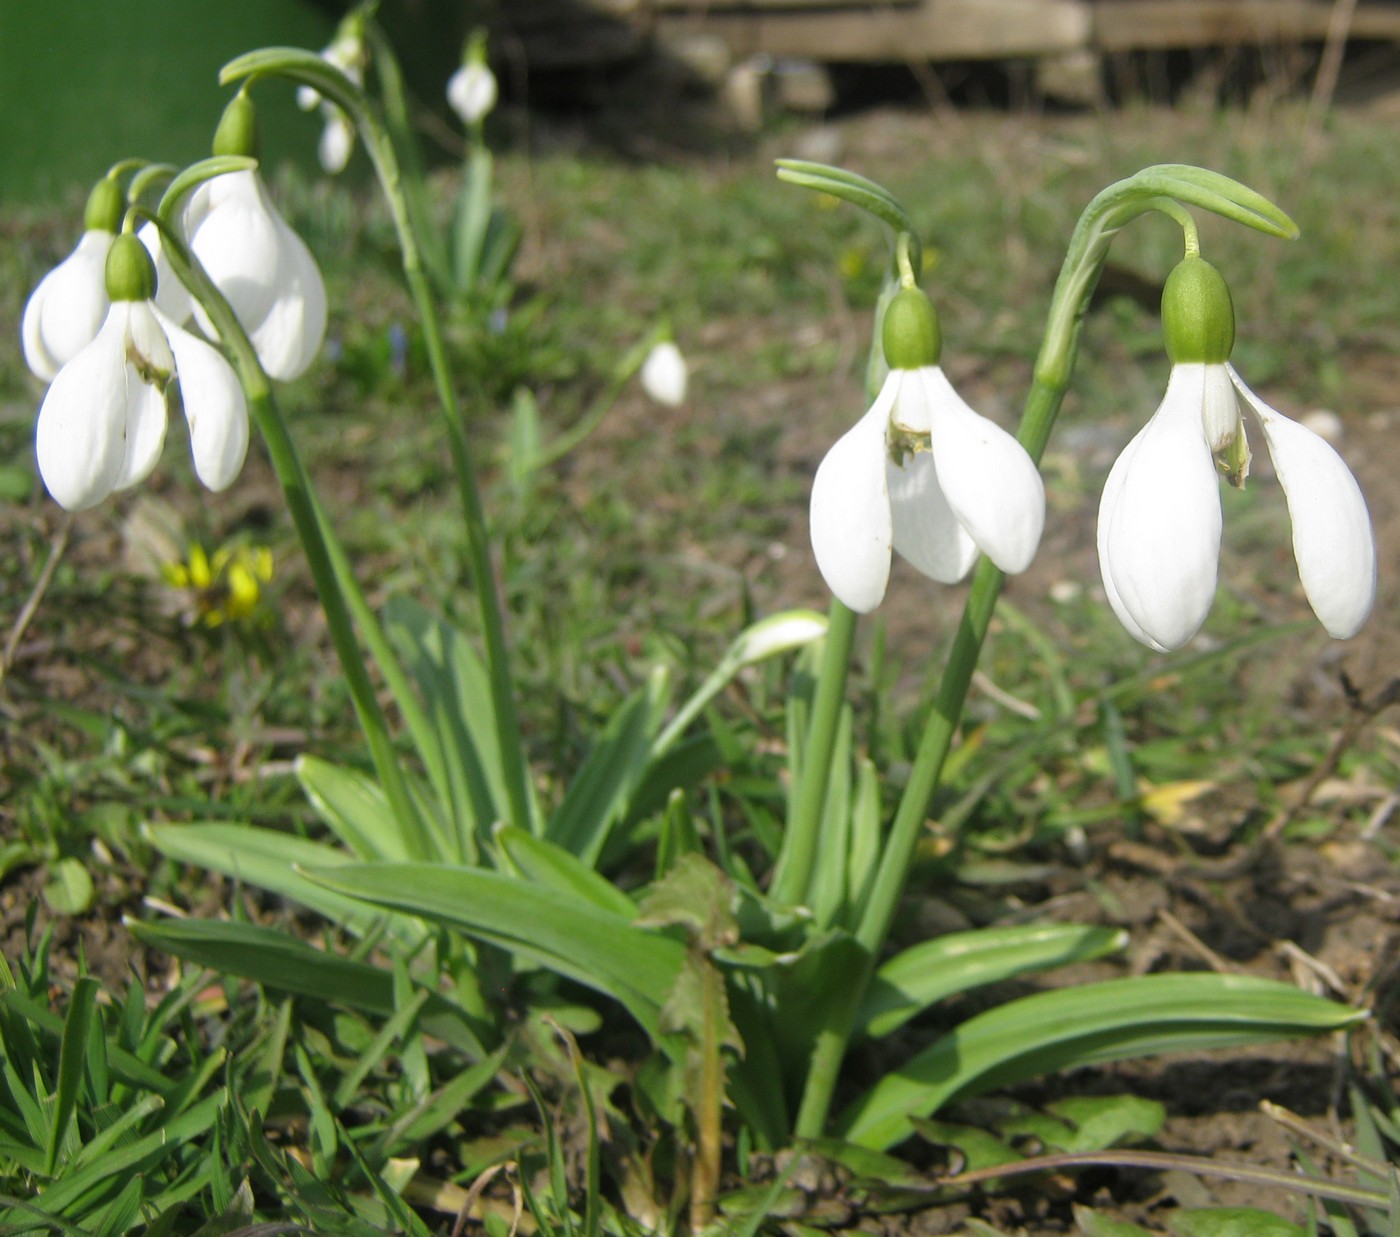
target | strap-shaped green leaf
[
  {"x": 269, "y": 957},
  {"x": 913, "y": 980},
  {"x": 552, "y": 867},
  {"x": 269, "y": 860},
  {"x": 1070, "y": 1027},
  {"x": 600, "y": 792},
  {"x": 568, "y": 935},
  {"x": 72, "y": 1059}
]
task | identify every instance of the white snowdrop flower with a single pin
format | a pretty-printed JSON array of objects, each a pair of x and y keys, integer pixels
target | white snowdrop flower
[
  {"x": 261, "y": 266},
  {"x": 472, "y": 91},
  {"x": 923, "y": 474},
  {"x": 665, "y": 375},
  {"x": 102, "y": 424},
  {"x": 345, "y": 52},
  {"x": 337, "y": 142},
  {"x": 1160, "y": 516},
  {"x": 65, "y": 311}
]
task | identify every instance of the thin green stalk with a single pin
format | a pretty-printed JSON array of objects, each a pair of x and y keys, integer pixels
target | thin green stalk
[
  {"x": 793, "y": 874},
  {"x": 305, "y": 67}
]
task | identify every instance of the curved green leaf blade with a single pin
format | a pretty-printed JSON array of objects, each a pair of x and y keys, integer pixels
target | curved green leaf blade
[
  {"x": 277, "y": 960},
  {"x": 270, "y": 860},
  {"x": 1070, "y": 1027},
  {"x": 354, "y": 807},
  {"x": 567, "y": 935},
  {"x": 928, "y": 972},
  {"x": 553, "y": 867}
]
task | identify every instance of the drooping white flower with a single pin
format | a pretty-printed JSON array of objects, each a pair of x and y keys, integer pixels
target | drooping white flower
[
  {"x": 923, "y": 474},
  {"x": 472, "y": 91},
  {"x": 102, "y": 423},
  {"x": 262, "y": 267},
  {"x": 1160, "y": 515},
  {"x": 347, "y": 53},
  {"x": 665, "y": 375},
  {"x": 64, "y": 312}
]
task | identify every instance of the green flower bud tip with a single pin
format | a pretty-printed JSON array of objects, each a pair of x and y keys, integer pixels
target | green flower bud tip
[
  {"x": 1198, "y": 317},
  {"x": 237, "y": 133},
  {"x": 105, "y": 206},
  {"x": 911, "y": 336},
  {"x": 131, "y": 275}
]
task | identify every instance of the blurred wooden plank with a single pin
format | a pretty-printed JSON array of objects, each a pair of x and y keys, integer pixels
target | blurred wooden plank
[
  {"x": 1144, "y": 25},
  {"x": 931, "y": 30}
]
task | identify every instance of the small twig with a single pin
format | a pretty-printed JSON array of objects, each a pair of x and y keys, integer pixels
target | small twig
[
  {"x": 36, "y": 596},
  {"x": 1013, "y": 704},
  {"x": 1328, "y": 69},
  {"x": 1364, "y": 712},
  {"x": 1164, "y": 1161},
  {"x": 1195, "y": 944},
  {"x": 1295, "y": 1124}
]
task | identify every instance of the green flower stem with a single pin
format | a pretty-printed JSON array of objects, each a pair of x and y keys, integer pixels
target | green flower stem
[
  {"x": 409, "y": 224},
  {"x": 312, "y": 531},
  {"x": 1157, "y": 188},
  {"x": 793, "y": 874},
  {"x": 508, "y": 737}
]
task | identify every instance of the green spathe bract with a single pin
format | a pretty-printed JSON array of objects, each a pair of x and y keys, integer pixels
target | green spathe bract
[
  {"x": 105, "y": 205},
  {"x": 910, "y": 334},
  {"x": 131, "y": 275},
  {"x": 1198, "y": 316},
  {"x": 237, "y": 133}
]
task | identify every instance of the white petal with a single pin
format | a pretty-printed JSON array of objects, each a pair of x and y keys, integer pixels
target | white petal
[
  {"x": 664, "y": 375},
  {"x": 851, "y": 524},
  {"x": 81, "y": 435},
  {"x": 263, "y": 268},
  {"x": 471, "y": 92},
  {"x": 289, "y": 338},
  {"x": 991, "y": 484},
  {"x": 926, "y": 532},
  {"x": 1220, "y": 410},
  {"x": 237, "y": 238},
  {"x": 337, "y": 142},
  {"x": 214, "y": 407},
  {"x": 1332, "y": 537},
  {"x": 66, "y": 310},
  {"x": 1159, "y": 521},
  {"x": 172, "y": 297},
  {"x": 145, "y": 428}
]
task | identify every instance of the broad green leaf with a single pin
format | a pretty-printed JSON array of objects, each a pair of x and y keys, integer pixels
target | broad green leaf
[
  {"x": 269, "y": 860},
  {"x": 1231, "y": 1222},
  {"x": 1093, "y": 1224},
  {"x": 269, "y": 957},
  {"x": 1102, "y": 1121},
  {"x": 978, "y": 1148},
  {"x": 599, "y": 793},
  {"x": 552, "y": 867},
  {"x": 919, "y": 976},
  {"x": 567, "y": 935},
  {"x": 69, "y": 889},
  {"x": 1069, "y": 1027},
  {"x": 354, "y": 806}
]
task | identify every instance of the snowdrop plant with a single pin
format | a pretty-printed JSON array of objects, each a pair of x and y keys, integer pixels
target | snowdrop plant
[
  {"x": 462, "y": 848},
  {"x": 1160, "y": 517},
  {"x": 346, "y": 52}
]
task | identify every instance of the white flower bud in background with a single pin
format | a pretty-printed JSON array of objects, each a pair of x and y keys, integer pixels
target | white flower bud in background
[
  {"x": 665, "y": 375},
  {"x": 472, "y": 91}
]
